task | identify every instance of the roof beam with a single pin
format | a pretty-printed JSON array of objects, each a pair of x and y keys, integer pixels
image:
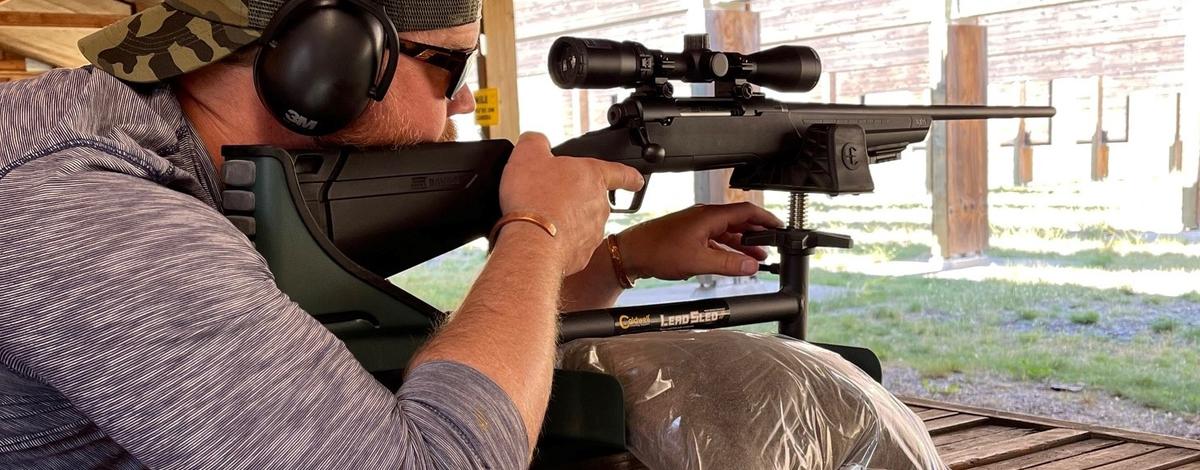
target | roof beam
[
  {"x": 10, "y": 61},
  {"x": 17, "y": 75},
  {"x": 57, "y": 20}
]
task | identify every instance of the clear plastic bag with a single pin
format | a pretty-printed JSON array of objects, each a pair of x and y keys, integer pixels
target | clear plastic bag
[{"x": 723, "y": 399}]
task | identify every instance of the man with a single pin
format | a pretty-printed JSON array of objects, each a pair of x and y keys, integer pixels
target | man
[{"x": 140, "y": 329}]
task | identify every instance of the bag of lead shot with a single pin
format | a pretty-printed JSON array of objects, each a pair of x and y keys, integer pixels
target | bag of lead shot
[{"x": 722, "y": 399}]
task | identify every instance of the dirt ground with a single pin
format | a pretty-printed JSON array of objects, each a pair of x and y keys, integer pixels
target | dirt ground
[{"x": 1085, "y": 406}]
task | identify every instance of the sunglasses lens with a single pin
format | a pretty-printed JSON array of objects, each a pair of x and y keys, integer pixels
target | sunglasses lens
[{"x": 457, "y": 82}]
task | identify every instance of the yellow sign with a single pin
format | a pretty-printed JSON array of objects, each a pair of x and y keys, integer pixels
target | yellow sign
[{"x": 487, "y": 107}]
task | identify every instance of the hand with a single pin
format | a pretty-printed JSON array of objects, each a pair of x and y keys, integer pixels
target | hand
[
  {"x": 703, "y": 239},
  {"x": 571, "y": 192}
]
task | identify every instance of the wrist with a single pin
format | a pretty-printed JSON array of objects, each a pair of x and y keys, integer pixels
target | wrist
[
  {"x": 529, "y": 238},
  {"x": 629, "y": 257}
]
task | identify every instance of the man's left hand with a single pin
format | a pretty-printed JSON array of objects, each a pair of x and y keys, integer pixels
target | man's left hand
[{"x": 703, "y": 239}]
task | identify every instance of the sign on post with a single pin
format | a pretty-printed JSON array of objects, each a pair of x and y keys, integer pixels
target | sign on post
[{"x": 487, "y": 107}]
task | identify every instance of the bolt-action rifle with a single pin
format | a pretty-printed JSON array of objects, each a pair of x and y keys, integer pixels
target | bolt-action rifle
[{"x": 334, "y": 224}]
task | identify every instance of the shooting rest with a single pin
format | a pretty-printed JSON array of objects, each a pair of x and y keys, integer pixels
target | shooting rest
[
  {"x": 315, "y": 217},
  {"x": 333, "y": 224}
]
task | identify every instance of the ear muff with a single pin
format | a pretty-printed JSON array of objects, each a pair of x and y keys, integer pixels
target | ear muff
[{"x": 322, "y": 61}]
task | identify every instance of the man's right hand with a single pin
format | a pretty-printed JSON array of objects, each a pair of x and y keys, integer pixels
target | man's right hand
[{"x": 571, "y": 192}]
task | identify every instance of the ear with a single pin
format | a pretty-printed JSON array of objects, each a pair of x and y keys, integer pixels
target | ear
[{"x": 315, "y": 72}]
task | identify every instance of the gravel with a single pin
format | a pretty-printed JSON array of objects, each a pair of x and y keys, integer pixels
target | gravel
[{"x": 1040, "y": 399}]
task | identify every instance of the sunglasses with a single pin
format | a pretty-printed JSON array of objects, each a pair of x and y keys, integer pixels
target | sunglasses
[{"x": 457, "y": 62}]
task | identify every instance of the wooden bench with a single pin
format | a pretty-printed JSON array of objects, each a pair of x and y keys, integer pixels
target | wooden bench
[{"x": 976, "y": 438}]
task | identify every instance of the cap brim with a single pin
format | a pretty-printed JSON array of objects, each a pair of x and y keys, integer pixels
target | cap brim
[{"x": 161, "y": 42}]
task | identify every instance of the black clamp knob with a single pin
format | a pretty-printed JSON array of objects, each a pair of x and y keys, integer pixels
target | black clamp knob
[{"x": 795, "y": 241}]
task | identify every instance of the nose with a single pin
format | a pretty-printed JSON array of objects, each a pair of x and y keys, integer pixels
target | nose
[{"x": 462, "y": 103}]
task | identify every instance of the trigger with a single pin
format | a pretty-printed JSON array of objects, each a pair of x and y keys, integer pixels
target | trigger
[{"x": 635, "y": 204}]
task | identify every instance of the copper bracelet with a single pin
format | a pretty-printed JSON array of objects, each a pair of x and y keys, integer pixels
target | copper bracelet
[
  {"x": 511, "y": 217},
  {"x": 618, "y": 268}
]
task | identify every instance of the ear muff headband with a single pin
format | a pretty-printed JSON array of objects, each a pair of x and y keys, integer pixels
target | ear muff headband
[{"x": 322, "y": 61}]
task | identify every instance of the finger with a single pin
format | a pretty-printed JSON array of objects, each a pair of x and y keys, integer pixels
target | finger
[
  {"x": 618, "y": 176},
  {"x": 718, "y": 219},
  {"x": 723, "y": 262},
  {"x": 749, "y": 213},
  {"x": 734, "y": 241},
  {"x": 532, "y": 144},
  {"x": 743, "y": 228}
]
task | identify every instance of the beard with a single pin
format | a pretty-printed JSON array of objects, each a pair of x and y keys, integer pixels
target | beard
[{"x": 386, "y": 130}]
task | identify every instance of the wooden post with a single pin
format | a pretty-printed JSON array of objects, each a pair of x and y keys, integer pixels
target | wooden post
[
  {"x": 1191, "y": 205},
  {"x": 1022, "y": 151},
  {"x": 729, "y": 30},
  {"x": 1099, "y": 137},
  {"x": 1175, "y": 154},
  {"x": 498, "y": 69},
  {"x": 1189, "y": 117},
  {"x": 959, "y": 162},
  {"x": 12, "y": 66}
]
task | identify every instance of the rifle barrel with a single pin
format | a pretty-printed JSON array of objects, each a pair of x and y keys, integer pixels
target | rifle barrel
[{"x": 937, "y": 113}]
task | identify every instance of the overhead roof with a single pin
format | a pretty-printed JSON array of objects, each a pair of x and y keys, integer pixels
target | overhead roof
[{"x": 47, "y": 30}]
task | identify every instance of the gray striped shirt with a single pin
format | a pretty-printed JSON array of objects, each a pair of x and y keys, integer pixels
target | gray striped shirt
[{"x": 138, "y": 328}]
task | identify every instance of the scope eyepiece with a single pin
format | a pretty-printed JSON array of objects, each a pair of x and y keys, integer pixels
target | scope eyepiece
[{"x": 601, "y": 63}]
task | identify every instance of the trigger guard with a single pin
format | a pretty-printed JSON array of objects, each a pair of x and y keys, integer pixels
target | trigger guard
[{"x": 635, "y": 204}]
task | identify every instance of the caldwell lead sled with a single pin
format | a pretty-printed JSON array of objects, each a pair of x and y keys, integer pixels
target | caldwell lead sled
[{"x": 334, "y": 224}]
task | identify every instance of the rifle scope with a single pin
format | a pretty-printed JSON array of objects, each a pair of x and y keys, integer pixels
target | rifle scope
[{"x": 601, "y": 63}]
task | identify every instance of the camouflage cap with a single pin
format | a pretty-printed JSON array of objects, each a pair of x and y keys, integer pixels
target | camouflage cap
[{"x": 180, "y": 36}]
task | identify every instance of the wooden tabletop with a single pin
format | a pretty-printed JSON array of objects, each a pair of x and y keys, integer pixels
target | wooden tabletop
[{"x": 976, "y": 438}]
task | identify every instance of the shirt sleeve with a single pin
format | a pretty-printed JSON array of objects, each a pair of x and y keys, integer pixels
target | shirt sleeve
[{"x": 159, "y": 321}]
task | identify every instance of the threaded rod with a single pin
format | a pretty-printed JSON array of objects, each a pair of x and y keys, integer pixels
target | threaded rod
[{"x": 798, "y": 211}]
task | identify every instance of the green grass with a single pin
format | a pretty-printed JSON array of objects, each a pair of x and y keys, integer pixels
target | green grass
[
  {"x": 818, "y": 205},
  {"x": 1164, "y": 325},
  {"x": 974, "y": 335},
  {"x": 444, "y": 281},
  {"x": 884, "y": 251},
  {"x": 885, "y": 312},
  {"x": 1108, "y": 235},
  {"x": 871, "y": 227},
  {"x": 947, "y": 389},
  {"x": 1104, "y": 258},
  {"x": 1089, "y": 317}
]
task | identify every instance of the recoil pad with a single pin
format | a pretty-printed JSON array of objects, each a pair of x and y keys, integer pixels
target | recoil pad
[{"x": 237, "y": 197}]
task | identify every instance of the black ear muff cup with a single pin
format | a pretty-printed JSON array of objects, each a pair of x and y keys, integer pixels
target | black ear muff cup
[{"x": 318, "y": 68}]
